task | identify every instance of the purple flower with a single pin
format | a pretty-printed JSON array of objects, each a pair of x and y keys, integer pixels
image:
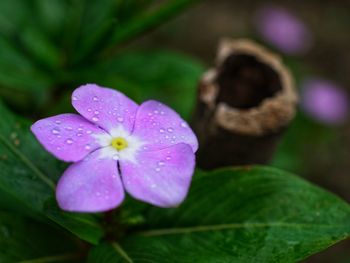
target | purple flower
[
  {"x": 283, "y": 30},
  {"x": 325, "y": 101},
  {"x": 115, "y": 144}
]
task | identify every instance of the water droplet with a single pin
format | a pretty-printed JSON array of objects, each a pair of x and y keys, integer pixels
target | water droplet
[
  {"x": 161, "y": 130},
  {"x": 88, "y": 132},
  {"x": 120, "y": 119},
  {"x": 87, "y": 147},
  {"x": 157, "y": 169},
  {"x": 149, "y": 114},
  {"x": 69, "y": 128},
  {"x": 96, "y": 112},
  {"x": 95, "y": 98},
  {"x": 162, "y": 113},
  {"x": 156, "y": 112},
  {"x": 95, "y": 118},
  {"x": 79, "y": 134},
  {"x": 55, "y": 131},
  {"x": 58, "y": 148},
  {"x": 80, "y": 129},
  {"x": 89, "y": 110},
  {"x": 161, "y": 163},
  {"x": 154, "y": 123},
  {"x": 115, "y": 157},
  {"x": 69, "y": 141},
  {"x": 58, "y": 122},
  {"x": 184, "y": 125},
  {"x": 75, "y": 98},
  {"x": 170, "y": 129},
  {"x": 168, "y": 158}
]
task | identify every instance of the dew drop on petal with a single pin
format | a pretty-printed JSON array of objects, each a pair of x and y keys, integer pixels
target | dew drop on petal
[
  {"x": 168, "y": 158},
  {"x": 58, "y": 122},
  {"x": 95, "y": 118},
  {"x": 69, "y": 141},
  {"x": 96, "y": 112},
  {"x": 58, "y": 148},
  {"x": 161, "y": 163},
  {"x": 80, "y": 129},
  {"x": 170, "y": 129},
  {"x": 79, "y": 134},
  {"x": 184, "y": 125},
  {"x": 120, "y": 119},
  {"x": 69, "y": 128},
  {"x": 156, "y": 112},
  {"x": 161, "y": 130},
  {"x": 75, "y": 98},
  {"x": 55, "y": 131},
  {"x": 87, "y": 147},
  {"x": 88, "y": 132},
  {"x": 95, "y": 98},
  {"x": 89, "y": 110},
  {"x": 157, "y": 169}
]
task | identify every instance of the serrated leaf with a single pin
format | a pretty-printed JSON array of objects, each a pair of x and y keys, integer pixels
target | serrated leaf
[
  {"x": 255, "y": 214},
  {"x": 28, "y": 175}
]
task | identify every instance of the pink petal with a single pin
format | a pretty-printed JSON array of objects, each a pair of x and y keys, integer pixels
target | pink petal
[
  {"x": 69, "y": 137},
  {"x": 91, "y": 185},
  {"x": 106, "y": 107},
  {"x": 160, "y": 126},
  {"x": 161, "y": 177}
]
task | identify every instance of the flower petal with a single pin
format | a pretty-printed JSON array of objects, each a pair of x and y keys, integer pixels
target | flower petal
[
  {"x": 106, "y": 107},
  {"x": 91, "y": 185},
  {"x": 161, "y": 177},
  {"x": 69, "y": 137},
  {"x": 160, "y": 127}
]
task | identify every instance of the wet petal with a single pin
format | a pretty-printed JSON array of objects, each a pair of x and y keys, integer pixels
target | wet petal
[
  {"x": 161, "y": 177},
  {"x": 69, "y": 137},
  {"x": 105, "y": 107},
  {"x": 91, "y": 185},
  {"x": 160, "y": 126}
]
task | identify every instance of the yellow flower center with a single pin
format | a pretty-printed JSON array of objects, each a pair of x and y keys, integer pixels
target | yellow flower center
[{"x": 119, "y": 143}]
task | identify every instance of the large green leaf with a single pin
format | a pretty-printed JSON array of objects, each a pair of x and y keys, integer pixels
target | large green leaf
[
  {"x": 237, "y": 215},
  {"x": 28, "y": 175},
  {"x": 24, "y": 240},
  {"x": 163, "y": 75}
]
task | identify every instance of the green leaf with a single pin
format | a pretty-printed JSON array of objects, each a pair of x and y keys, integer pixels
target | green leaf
[
  {"x": 163, "y": 75},
  {"x": 149, "y": 20},
  {"x": 247, "y": 214},
  {"x": 27, "y": 179},
  {"x": 26, "y": 241}
]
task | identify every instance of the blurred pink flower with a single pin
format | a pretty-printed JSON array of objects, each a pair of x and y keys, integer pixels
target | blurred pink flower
[
  {"x": 324, "y": 101},
  {"x": 282, "y": 29},
  {"x": 116, "y": 145}
]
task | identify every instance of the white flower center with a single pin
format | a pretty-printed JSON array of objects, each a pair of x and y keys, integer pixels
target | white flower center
[{"x": 119, "y": 145}]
